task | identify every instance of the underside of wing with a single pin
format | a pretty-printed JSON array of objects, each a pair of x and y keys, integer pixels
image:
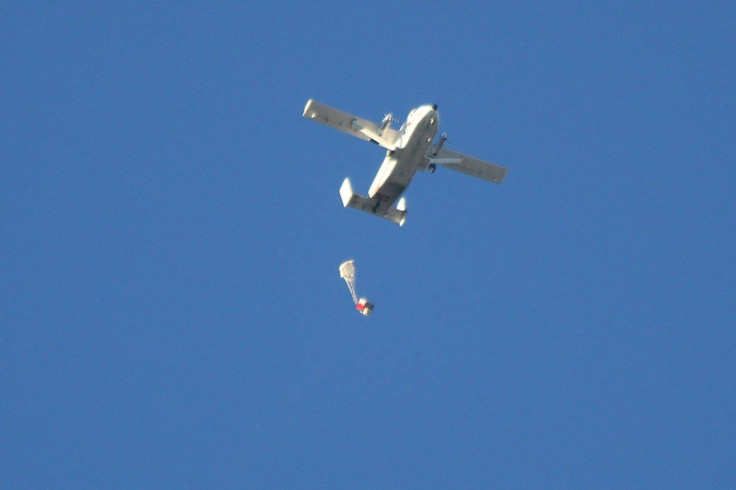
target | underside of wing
[
  {"x": 469, "y": 165},
  {"x": 353, "y": 125}
]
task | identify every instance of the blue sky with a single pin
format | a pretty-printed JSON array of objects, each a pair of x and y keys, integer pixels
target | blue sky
[{"x": 170, "y": 230}]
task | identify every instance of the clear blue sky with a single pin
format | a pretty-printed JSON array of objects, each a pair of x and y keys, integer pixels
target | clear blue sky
[{"x": 171, "y": 313}]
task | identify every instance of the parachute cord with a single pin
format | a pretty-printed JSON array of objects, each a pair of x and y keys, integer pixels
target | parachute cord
[{"x": 352, "y": 291}]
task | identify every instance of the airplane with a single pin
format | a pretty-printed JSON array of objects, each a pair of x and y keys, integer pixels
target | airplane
[{"x": 408, "y": 149}]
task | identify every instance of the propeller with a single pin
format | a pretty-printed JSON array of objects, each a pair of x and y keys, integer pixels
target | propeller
[
  {"x": 386, "y": 122},
  {"x": 443, "y": 139}
]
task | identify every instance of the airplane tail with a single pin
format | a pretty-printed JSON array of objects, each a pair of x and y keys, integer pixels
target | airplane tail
[{"x": 349, "y": 198}]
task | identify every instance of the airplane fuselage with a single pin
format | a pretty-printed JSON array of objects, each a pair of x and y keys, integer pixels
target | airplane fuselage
[
  {"x": 409, "y": 148},
  {"x": 400, "y": 164}
]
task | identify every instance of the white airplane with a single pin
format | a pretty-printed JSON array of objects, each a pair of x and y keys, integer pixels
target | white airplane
[{"x": 409, "y": 149}]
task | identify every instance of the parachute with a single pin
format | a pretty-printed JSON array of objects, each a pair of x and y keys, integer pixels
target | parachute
[{"x": 347, "y": 272}]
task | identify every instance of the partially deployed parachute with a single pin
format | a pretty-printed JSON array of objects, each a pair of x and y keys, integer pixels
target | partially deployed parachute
[{"x": 347, "y": 272}]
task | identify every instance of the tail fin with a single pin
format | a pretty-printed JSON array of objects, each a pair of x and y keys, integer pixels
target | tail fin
[{"x": 349, "y": 198}]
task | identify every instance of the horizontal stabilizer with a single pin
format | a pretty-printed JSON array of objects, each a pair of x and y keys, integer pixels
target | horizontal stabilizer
[{"x": 372, "y": 205}]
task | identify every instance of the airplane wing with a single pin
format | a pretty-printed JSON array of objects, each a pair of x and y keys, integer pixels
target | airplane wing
[
  {"x": 469, "y": 165},
  {"x": 356, "y": 126}
]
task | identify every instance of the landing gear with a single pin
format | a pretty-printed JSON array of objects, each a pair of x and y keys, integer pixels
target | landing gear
[{"x": 431, "y": 168}]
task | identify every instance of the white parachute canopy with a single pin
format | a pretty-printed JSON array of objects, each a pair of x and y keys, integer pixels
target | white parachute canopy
[{"x": 347, "y": 272}]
